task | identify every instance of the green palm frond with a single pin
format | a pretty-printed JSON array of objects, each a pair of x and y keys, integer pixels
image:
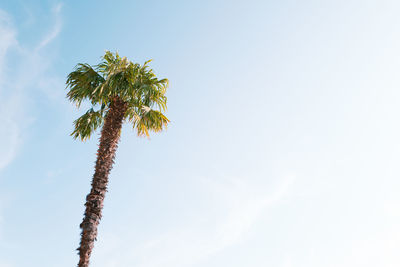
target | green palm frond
[
  {"x": 83, "y": 81},
  {"x": 147, "y": 120},
  {"x": 87, "y": 124}
]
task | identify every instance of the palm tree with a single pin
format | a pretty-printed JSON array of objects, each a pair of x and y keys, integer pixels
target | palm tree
[{"x": 118, "y": 91}]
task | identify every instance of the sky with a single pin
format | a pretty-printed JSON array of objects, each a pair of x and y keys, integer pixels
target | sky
[{"x": 283, "y": 148}]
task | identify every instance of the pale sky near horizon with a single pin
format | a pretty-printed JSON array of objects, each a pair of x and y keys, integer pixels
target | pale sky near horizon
[{"x": 283, "y": 148}]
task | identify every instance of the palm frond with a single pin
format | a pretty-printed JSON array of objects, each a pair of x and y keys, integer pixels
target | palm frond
[
  {"x": 149, "y": 120},
  {"x": 82, "y": 82},
  {"x": 88, "y": 123}
]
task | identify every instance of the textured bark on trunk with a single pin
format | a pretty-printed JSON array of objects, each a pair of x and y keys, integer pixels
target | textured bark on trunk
[{"x": 110, "y": 135}]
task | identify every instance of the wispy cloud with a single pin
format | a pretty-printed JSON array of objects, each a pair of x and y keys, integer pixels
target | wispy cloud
[
  {"x": 28, "y": 69},
  {"x": 56, "y": 28}
]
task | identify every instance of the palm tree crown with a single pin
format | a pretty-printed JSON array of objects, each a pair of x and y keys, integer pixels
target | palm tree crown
[{"x": 117, "y": 78}]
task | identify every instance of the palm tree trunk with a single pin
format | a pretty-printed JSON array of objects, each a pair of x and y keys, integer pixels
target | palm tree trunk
[{"x": 110, "y": 135}]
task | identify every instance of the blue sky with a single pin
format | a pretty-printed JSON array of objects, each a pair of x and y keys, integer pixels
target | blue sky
[{"x": 283, "y": 148}]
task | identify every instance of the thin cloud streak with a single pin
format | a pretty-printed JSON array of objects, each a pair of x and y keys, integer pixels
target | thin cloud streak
[
  {"x": 56, "y": 29},
  {"x": 243, "y": 203}
]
